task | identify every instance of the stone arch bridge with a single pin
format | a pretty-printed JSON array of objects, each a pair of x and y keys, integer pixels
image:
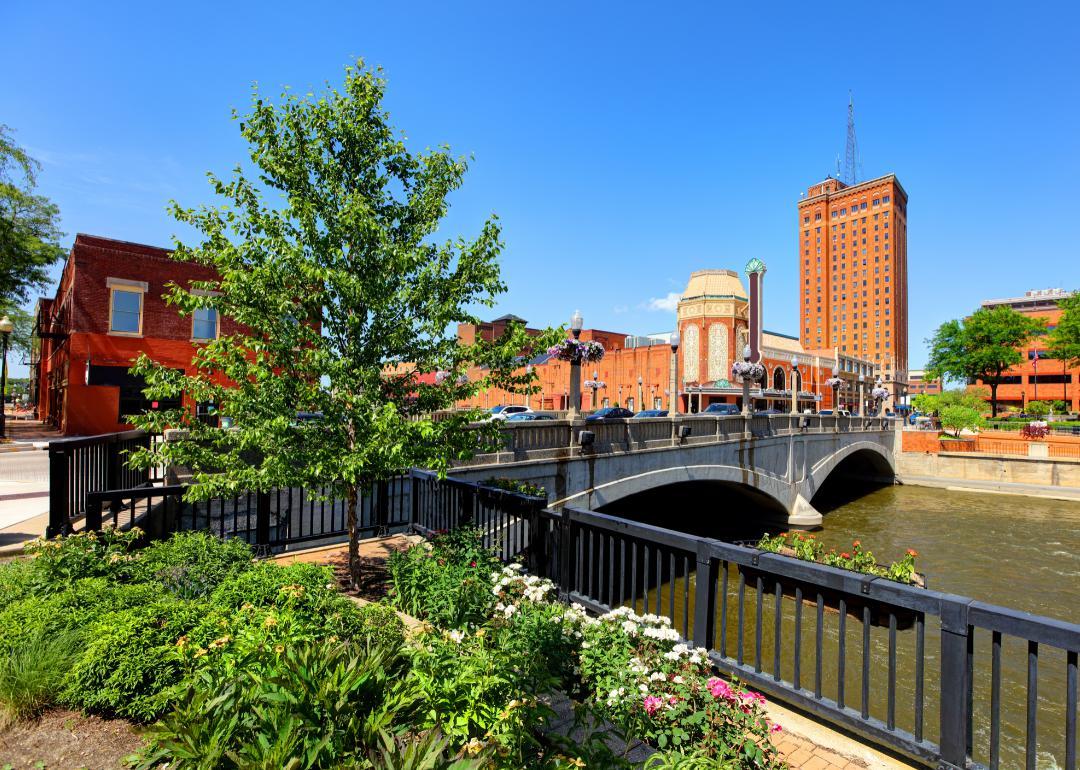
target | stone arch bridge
[{"x": 782, "y": 460}]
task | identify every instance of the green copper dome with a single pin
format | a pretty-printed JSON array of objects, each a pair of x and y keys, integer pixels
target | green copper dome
[{"x": 755, "y": 265}]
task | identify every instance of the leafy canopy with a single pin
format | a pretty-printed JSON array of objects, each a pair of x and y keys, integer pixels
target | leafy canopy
[
  {"x": 335, "y": 296},
  {"x": 956, "y": 418},
  {"x": 1063, "y": 341},
  {"x": 981, "y": 347},
  {"x": 972, "y": 397},
  {"x": 29, "y": 235}
]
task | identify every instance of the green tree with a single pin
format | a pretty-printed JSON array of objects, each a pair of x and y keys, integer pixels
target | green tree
[
  {"x": 981, "y": 347},
  {"x": 29, "y": 229},
  {"x": 973, "y": 397},
  {"x": 956, "y": 418},
  {"x": 328, "y": 262},
  {"x": 1063, "y": 341},
  {"x": 1037, "y": 409}
]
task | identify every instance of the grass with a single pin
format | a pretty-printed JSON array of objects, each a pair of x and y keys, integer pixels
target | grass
[{"x": 32, "y": 676}]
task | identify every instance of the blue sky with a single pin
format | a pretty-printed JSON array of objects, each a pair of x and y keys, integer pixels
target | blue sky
[{"x": 623, "y": 145}]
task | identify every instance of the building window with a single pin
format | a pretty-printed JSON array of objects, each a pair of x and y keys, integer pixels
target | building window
[
  {"x": 204, "y": 324},
  {"x": 125, "y": 310}
]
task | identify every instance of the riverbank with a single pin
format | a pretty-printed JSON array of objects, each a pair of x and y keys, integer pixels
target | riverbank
[{"x": 1056, "y": 478}]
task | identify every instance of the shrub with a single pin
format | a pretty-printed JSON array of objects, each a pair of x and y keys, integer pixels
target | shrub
[
  {"x": 129, "y": 666},
  {"x": 957, "y": 418},
  {"x": 448, "y": 583},
  {"x": 16, "y": 581},
  {"x": 76, "y": 606},
  {"x": 32, "y": 675},
  {"x": 323, "y": 705},
  {"x": 191, "y": 564},
  {"x": 59, "y": 561}
]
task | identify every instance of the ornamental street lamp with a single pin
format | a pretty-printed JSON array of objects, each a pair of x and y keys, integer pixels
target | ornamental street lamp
[
  {"x": 673, "y": 406},
  {"x": 595, "y": 385},
  {"x": 576, "y": 322},
  {"x": 528, "y": 388},
  {"x": 794, "y": 384},
  {"x": 862, "y": 397},
  {"x": 6, "y": 327},
  {"x": 641, "y": 403},
  {"x": 746, "y": 385}
]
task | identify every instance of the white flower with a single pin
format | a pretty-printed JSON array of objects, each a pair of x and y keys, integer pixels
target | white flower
[
  {"x": 677, "y": 679},
  {"x": 509, "y": 610},
  {"x": 643, "y": 687},
  {"x": 657, "y": 676},
  {"x": 630, "y": 627},
  {"x": 457, "y": 636}
]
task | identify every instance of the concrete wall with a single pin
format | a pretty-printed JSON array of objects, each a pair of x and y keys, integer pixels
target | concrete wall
[{"x": 1054, "y": 472}]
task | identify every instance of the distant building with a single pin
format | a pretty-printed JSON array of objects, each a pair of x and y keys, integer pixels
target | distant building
[
  {"x": 1038, "y": 377},
  {"x": 713, "y": 322},
  {"x": 918, "y": 385},
  {"x": 109, "y": 309},
  {"x": 853, "y": 273}
]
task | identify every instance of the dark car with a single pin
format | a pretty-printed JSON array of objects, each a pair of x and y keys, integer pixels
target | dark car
[
  {"x": 650, "y": 413},
  {"x": 528, "y": 416},
  {"x": 722, "y": 409},
  {"x": 609, "y": 413},
  {"x": 769, "y": 411}
]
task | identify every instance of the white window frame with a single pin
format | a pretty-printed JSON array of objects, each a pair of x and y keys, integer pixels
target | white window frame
[
  {"x": 133, "y": 287},
  {"x": 217, "y": 325}
]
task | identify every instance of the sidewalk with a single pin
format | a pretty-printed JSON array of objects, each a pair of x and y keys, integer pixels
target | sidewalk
[{"x": 23, "y": 434}]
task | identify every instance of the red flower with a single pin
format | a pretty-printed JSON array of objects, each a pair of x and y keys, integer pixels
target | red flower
[
  {"x": 845, "y": 555},
  {"x": 857, "y": 543},
  {"x": 472, "y": 564},
  {"x": 912, "y": 552}
]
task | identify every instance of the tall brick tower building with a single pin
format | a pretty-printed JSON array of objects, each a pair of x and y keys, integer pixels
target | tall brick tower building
[{"x": 853, "y": 272}]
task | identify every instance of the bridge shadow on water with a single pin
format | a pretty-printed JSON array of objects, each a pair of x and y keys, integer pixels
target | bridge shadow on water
[{"x": 855, "y": 476}]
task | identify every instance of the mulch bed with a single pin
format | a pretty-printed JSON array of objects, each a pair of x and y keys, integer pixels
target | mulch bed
[
  {"x": 67, "y": 739},
  {"x": 374, "y": 579}
]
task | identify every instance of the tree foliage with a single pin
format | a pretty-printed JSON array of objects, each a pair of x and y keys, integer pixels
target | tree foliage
[
  {"x": 328, "y": 261},
  {"x": 981, "y": 347},
  {"x": 29, "y": 227},
  {"x": 1063, "y": 341},
  {"x": 972, "y": 397},
  {"x": 1037, "y": 408},
  {"x": 957, "y": 418}
]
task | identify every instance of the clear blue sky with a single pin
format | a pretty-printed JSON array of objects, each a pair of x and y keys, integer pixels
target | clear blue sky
[{"x": 623, "y": 145}]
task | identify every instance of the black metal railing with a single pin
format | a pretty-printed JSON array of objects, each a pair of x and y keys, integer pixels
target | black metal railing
[
  {"x": 81, "y": 466},
  {"x": 898, "y": 664},
  {"x": 277, "y": 519}
]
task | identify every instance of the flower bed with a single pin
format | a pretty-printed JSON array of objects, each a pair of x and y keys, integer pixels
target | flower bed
[
  {"x": 629, "y": 669},
  {"x": 807, "y": 547}
]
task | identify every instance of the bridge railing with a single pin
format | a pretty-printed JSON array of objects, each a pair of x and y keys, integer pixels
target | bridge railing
[
  {"x": 932, "y": 675},
  {"x": 621, "y": 435}
]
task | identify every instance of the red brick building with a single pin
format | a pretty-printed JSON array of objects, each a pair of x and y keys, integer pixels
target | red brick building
[
  {"x": 1038, "y": 378},
  {"x": 853, "y": 273},
  {"x": 108, "y": 309}
]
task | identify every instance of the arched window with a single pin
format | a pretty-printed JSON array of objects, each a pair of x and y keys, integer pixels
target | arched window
[{"x": 778, "y": 378}]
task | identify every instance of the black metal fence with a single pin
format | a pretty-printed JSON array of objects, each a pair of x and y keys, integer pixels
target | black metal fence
[{"x": 81, "y": 466}]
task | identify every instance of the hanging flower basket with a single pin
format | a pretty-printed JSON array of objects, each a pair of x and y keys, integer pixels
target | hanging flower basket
[
  {"x": 834, "y": 382},
  {"x": 598, "y": 384},
  {"x": 576, "y": 351},
  {"x": 746, "y": 371},
  {"x": 443, "y": 376},
  {"x": 879, "y": 394}
]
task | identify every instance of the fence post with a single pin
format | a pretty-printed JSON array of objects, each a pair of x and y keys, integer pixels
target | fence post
[
  {"x": 58, "y": 492},
  {"x": 566, "y": 537},
  {"x": 955, "y": 684},
  {"x": 112, "y": 463},
  {"x": 466, "y": 505},
  {"x": 704, "y": 597},
  {"x": 92, "y": 523},
  {"x": 537, "y": 562},
  {"x": 414, "y": 500},
  {"x": 262, "y": 518},
  {"x": 382, "y": 506}
]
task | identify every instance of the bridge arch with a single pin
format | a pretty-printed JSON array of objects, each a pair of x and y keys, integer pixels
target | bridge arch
[{"x": 866, "y": 459}]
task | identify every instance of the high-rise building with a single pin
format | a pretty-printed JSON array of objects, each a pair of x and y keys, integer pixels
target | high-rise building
[{"x": 853, "y": 272}]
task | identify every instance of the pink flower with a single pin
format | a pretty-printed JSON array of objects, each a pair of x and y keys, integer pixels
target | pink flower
[
  {"x": 652, "y": 703},
  {"x": 774, "y": 728},
  {"x": 719, "y": 688}
]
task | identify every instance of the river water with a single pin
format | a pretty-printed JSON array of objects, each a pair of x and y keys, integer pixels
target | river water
[{"x": 1018, "y": 552}]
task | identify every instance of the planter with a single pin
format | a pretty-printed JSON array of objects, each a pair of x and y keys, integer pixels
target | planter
[{"x": 854, "y": 602}]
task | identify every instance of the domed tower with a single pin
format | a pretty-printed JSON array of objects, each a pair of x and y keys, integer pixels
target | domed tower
[{"x": 713, "y": 320}]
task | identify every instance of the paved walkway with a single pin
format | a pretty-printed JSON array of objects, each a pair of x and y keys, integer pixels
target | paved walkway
[{"x": 993, "y": 487}]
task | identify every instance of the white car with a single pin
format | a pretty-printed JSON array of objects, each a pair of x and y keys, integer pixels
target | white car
[{"x": 502, "y": 412}]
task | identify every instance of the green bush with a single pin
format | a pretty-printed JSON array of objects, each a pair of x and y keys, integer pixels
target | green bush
[
  {"x": 129, "y": 664},
  {"x": 324, "y": 705},
  {"x": 16, "y": 581},
  {"x": 448, "y": 584},
  {"x": 32, "y": 675},
  {"x": 76, "y": 606},
  {"x": 191, "y": 564},
  {"x": 59, "y": 561}
]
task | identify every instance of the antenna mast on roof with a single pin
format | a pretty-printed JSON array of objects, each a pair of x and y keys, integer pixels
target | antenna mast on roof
[{"x": 852, "y": 161}]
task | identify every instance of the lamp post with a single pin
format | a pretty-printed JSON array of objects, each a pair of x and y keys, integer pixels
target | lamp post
[
  {"x": 862, "y": 397},
  {"x": 746, "y": 385},
  {"x": 641, "y": 402},
  {"x": 576, "y": 322},
  {"x": 528, "y": 389},
  {"x": 673, "y": 406},
  {"x": 879, "y": 402},
  {"x": 6, "y": 327},
  {"x": 595, "y": 390},
  {"x": 794, "y": 384}
]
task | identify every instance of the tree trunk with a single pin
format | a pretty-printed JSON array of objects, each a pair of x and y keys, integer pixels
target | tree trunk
[
  {"x": 993, "y": 399},
  {"x": 354, "y": 539}
]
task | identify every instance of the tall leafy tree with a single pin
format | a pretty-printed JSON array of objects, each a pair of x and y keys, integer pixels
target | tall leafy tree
[
  {"x": 982, "y": 346},
  {"x": 1063, "y": 341},
  {"x": 29, "y": 227},
  {"x": 328, "y": 261}
]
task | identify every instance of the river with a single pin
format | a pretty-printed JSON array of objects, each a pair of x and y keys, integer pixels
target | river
[{"x": 1018, "y": 552}]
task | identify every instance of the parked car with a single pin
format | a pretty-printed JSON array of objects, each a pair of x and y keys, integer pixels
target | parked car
[
  {"x": 528, "y": 417},
  {"x": 650, "y": 413},
  {"x": 720, "y": 408},
  {"x": 769, "y": 411},
  {"x": 609, "y": 413},
  {"x": 503, "y": 412}
]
